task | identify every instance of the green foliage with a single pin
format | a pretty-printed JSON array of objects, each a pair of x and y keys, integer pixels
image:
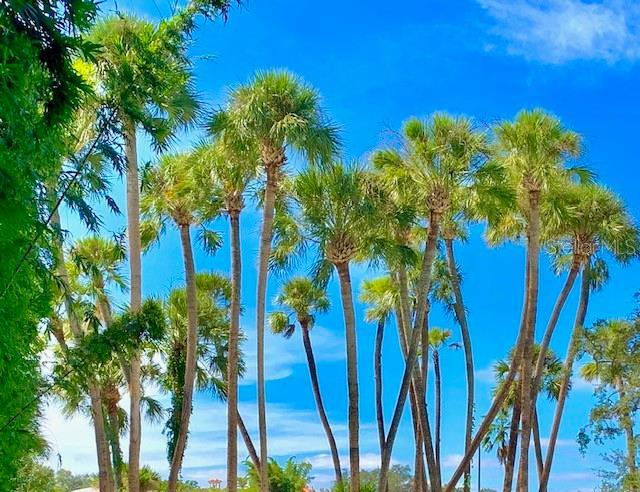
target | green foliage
[
  {"x": 292, "y": 477},
  {"x": 33, "y": 476},
  {"x": 39, "y": 91},
  {"x": 400, "y": 479}
]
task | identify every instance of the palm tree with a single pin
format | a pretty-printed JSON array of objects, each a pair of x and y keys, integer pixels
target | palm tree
[
  {"x": 232, "y": 165},
  {"x": 438, "y": 156},
  {"x": 381, "y": 296},
  {"x": 304, "y": 300},
  {"x": 279, "y": 112},
  {"x": 337, "y": 214},
  {"x": 598, "y": 223},
  {"x": 145, "y": 75},
  {"x": 532, "y": 150},
  {"x": 213, "y": 293},
  {"x": 172, "y": 195},
  {"x": 437, "y": 339}
]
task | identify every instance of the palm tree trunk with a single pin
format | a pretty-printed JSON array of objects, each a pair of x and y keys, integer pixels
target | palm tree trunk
[
  {"x": 116, "y": 450},
  {"x": 412, "y": 376},
  {"x": 315, "y": 386},
  {"x": 499, "y": 399},
  {"x": 346, "y": 295},
  {"x": 419, "y": 471},
  {"x": 377, "y": 371},
  {"x": 461, "y": 317},
  {"x": 526, "y": 359},
  {"x": 438, "y": 389},
  {"x": 263, "y": 274},
  {"x": 246, "y": 437},
  {"x": 537, "y": 443},
  {"x": 191, "y": 358},
  {"x": 512, "y": 447},
  {"x": 551, "y": 326},
  {"x": 135, "y": 280},
  {"x": 565, "y": 381},
  {"x": 102, "y": 449},
  {"x": 234, "y": 341}
]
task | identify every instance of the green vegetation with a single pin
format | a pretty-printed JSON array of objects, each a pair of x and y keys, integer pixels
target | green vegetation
[{"x": 78, "y": 90}]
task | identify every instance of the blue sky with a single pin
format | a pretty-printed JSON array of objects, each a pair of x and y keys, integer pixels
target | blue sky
[{"x": 375, "y": 64}]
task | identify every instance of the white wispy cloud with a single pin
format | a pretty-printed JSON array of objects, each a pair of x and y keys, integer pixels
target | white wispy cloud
[{"x": 560, "y": 31}]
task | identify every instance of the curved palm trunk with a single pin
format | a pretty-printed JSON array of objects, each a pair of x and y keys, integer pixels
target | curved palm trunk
[
  {"x": 346, "y": 295},
  {"x": 135, "y": 280},
  {"x": 234, "y": 341},
  {"x": 263, "y": 274},
  {"x": 419, "y": 482},
  {"x": 499, "y": 399},
  {"x": 315, "y": 386},
  {"x": 537, "y": 443},
  {"x": 551, "y": 326},
  {"x": 565, "y": 382},
  {"x": 461, "y": 317},
  {"x": 512, "y": 447},
  {"x": 97, "y": 415},
  {"x": 438, "y": 388},
  {"x": 377, "y": 371},
  {"x": 526, "y": 360},
  {"x": 190, "y": 362},
  {"x": 411, "y": 375},
  {"x": 246, "y": 437}
]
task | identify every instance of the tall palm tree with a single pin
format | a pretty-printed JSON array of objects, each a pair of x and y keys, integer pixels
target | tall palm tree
[
  {"x": 230, "y": 165},
  {"x": 144, "y": 73},
  {"x": 381, "y": 296},
  {"x": 532, "y": 150},
  {"x": 437, "y": 339},
  {"x": 437, "y": 156},
  {"x": 598, "y": 224},
  {"x": 279, "y": 112},
  {"x": 304, "y": 300},
  {"x": 172, "y": 195},
  {"x": 337, "y": 213}
]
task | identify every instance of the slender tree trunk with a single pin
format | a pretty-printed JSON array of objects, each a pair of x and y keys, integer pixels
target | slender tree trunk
[
  {"x": 346, "y": 295},
  {"x": 567, "y": 371},
  {"x": 512, "y": 446},
  {"x": 537, "y": 443},
  {"x": 411, "y": 375},
  {"x": 551, "y": 325},
  {"x": 315, "y": 386},
  {"x": 234, "y": 342},
  {"x": 263, "y": 275},
  {"x": 461, "y": 317},
  {"x": 97, "y": 415},
  {"x": 438, "y": 390},
  {"x": 526, "y": 360},
  {"x": 499, "y": 399},
  {"x": 377, "y": 371},
  {"x": 246, "y": 437},
  {"x": 104, "y": 463},
  {"x": 116, "y": 450},
  {"x": 191, "y": 358},
  {"x": 419, "y": 471},
  {"x": 135, "y": 280}
]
